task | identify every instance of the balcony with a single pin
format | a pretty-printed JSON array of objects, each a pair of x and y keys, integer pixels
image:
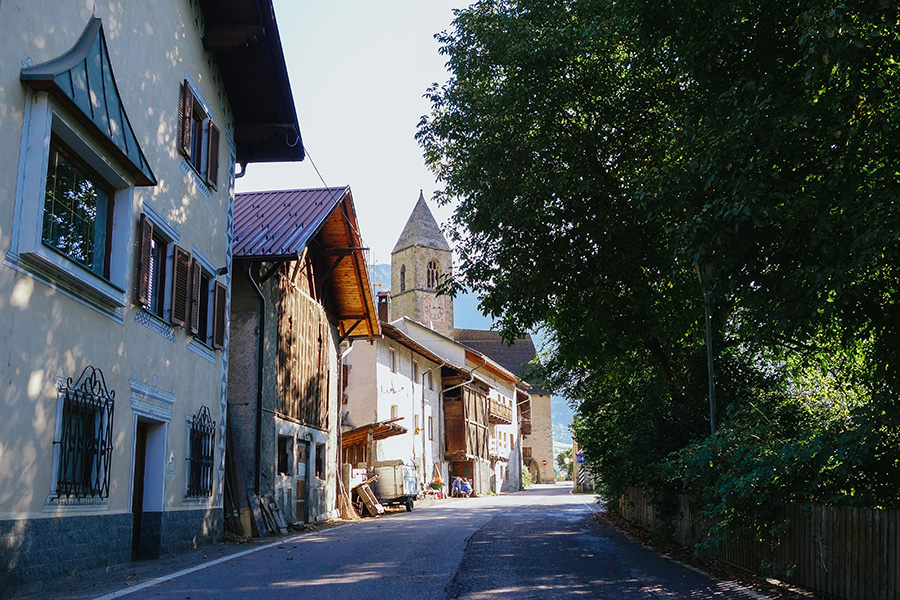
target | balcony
[{"x": 500, "y": 413}]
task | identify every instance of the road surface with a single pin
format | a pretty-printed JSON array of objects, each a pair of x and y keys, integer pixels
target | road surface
[{"x": 542, "y": 543}]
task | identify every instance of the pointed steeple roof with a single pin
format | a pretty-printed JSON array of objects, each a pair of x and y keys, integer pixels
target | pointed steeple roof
[{"x": 421, "y": 230}]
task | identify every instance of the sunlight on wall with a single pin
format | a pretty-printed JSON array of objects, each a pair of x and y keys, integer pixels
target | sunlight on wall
[
  {"x": 35, "y": 383},
  {"x": 22, "y": 292}
]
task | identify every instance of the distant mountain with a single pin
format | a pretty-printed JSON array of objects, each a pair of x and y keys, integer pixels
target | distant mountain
[{"x": 467, "y": 316}]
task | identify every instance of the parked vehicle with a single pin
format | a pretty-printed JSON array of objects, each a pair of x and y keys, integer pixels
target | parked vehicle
[{"x": 396, "y": 483}]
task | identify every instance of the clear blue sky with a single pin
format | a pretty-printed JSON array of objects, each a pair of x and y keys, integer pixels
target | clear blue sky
[{"x": 358, "y": 71}]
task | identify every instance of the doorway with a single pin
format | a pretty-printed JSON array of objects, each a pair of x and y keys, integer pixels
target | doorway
[
  {"x": 137, "y": 489},
  {"x": 301, "y": 481},
  {"x": 148, "y": 487}
]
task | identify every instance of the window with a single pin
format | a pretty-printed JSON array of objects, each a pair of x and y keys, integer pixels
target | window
[
  {"x": 78, "y": 167},
  {"x": 285, "y": 455},
  {"x": 433, "y": 273},
  {"x": 201, "y": 435},
  {"x": 199, "y": 136},
  {"x": 415, "y": 372},
  {"x": 395, "y": 410},
  {"x": 77, "y": 206},
  {"x": 157, "y": 276},
  {"x": 430, "y": 428},
  {"x": 320, "y": 461},
  {"x": 429, "y": 380},
  {"x": 196, "y": 300},
  {"x": 402, "y": 278},
  {"x": 393, "y": 361},
  {"x": 84, "y": 446},
  {"x": 417, "y": 424}
]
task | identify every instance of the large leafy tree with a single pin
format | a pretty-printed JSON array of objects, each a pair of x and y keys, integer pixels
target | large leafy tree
[{"x": 596, "y": 150}]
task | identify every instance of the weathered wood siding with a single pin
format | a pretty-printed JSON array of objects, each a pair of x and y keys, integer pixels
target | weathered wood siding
[
  {"x": 842, "y": 553},
  {"x": 302, "y": 373},
  {"x": 466, "y": 424}
]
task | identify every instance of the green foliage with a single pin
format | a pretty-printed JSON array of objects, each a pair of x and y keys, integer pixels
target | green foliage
[
  {"x": 565, "y": 462},
  {"x": 526, "y": 478},
  {"x": 596, "y": 150}
]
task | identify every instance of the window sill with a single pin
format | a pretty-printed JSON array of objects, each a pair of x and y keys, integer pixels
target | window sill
[
  {"x": 201, "y": 349},
  {"x": 197, "y": 500},
  {"x": 56, "y": 505},
  {"x": 152, "y": 322},
  {"x": 71, "y": 279},
  {"x": 191, "y": 171}
]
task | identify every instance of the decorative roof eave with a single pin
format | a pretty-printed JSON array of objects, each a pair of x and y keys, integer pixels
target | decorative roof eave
[
  {"x": 82, "y": 81},
  {"x": 243, "y": 35}
]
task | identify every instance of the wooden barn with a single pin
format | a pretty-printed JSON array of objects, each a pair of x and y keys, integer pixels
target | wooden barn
[{"x": 300, "y": 290}]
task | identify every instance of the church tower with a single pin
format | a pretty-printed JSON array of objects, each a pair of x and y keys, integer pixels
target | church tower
[{"x": 419, "y": 260}]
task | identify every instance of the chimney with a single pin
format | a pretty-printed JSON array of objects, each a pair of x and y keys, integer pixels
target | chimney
[{"x": 384, "y": 306}]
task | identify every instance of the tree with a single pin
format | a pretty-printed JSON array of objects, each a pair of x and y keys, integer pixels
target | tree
[
  {"x": 596, "y": 150},
  {"x": 565, "y": 463}
]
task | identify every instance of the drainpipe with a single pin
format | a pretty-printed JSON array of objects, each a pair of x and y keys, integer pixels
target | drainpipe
[{"x": 259, "y": 378}]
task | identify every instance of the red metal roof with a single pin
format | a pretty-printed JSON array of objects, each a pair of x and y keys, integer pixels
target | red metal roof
[{"x": 281, "y": 223}]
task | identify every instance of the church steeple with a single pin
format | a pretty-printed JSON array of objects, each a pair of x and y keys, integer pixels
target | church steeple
[
  {"x": 421, "y": 229},
  {"x": 421, "y": 257}
]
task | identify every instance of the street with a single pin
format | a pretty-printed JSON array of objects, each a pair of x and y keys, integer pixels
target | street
[{"x": 538, "y": 544}]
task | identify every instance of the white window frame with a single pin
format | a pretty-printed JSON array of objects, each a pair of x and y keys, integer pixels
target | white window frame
[{"x": 28, "y": 254}]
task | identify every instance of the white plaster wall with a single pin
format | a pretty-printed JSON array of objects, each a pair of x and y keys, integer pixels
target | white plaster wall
[
  {"x": 47, "y": 333},
  {"x": 362, "y": 396}
]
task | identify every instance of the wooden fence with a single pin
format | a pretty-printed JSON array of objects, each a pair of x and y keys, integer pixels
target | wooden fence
[{"x": 842, "y": 553}]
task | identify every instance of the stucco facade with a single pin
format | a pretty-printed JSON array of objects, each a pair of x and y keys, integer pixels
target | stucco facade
[
  {"x": 114, "y": 366},
  {"x": 389, "y": 379},
  {"x": 540, "y": 441}
]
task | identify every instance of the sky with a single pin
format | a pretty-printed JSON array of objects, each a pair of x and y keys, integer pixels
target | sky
[{"x": 358, "y": 71}]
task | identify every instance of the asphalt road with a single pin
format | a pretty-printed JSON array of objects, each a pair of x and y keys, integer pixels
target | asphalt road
[{"x": 538, "y": 544}]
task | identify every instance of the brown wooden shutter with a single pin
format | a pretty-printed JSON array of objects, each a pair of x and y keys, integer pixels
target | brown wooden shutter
[
  {"x": 181, "y": 281},
  {"x": 219, "y": 316},
  {"x": 212, "y": 157},
  {"x": 142, "y": 277},
  {"x": 186, "y": 109},
  {"x": 196, "y": 273}
]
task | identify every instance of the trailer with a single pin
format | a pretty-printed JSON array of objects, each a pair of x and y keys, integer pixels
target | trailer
[{"x": 396, "y": 483}]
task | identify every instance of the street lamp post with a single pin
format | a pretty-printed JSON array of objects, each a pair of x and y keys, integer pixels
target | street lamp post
[{"x": 704, "y": 274}]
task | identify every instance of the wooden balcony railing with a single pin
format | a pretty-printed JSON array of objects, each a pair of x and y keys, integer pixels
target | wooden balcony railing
[{"x": 500, "y": 413}]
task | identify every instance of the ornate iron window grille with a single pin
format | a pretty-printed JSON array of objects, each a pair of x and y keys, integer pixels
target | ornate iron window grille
[
  {"x": 200, "y": 467},
  {"x": 85, "y": 444}
]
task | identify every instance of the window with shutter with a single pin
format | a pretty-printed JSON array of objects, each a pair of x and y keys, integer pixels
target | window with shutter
[
  {"x": 219, "y": 316},
  {"x": 181, "y": 280},
  {"x": 198, "y": 136},
  {"x": 212, "y": 162},
  {"x": 142, "y": 279},
  {"x": 186, "y": 113},
  {"x": 196, "y": 297}
]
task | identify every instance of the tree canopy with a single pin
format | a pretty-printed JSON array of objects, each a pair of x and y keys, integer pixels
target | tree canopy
[{"x": 597, "y": 150}]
